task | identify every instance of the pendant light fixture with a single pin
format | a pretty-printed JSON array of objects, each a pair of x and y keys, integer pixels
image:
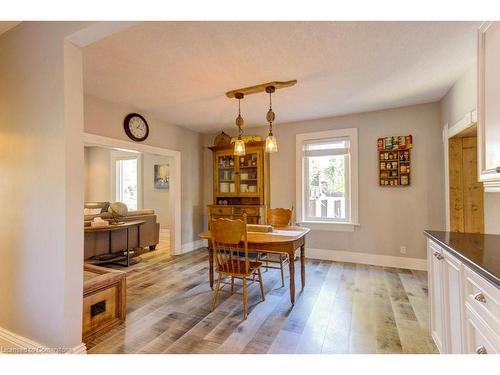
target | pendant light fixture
[
  {"x": 271, "y": 144},
  {"x": 239, "y": 145}
]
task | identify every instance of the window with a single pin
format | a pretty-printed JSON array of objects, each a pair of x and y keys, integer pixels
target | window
[
  {"x": 327, "y": 179},
  {"x": 126, "y": 182}
]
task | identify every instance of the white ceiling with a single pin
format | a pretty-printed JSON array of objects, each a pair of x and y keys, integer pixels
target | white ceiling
[{"x": 179, "y": 71}]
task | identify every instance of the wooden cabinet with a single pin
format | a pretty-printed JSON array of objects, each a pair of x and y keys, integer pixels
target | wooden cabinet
[
  {"x": 240, "y": 183},
  {"x": 488, "y": 108},
  {"x": 464, "y": 307},
  {"x": 104, "y": 300}
]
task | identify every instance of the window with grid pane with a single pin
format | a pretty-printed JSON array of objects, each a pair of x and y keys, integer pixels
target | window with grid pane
[{"x": 327, "y": 194}]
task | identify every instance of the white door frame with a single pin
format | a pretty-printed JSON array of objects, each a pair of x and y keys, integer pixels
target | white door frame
[{"x": 175, "y": 186}]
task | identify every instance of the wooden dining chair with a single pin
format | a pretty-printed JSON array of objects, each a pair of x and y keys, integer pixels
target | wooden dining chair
[
  {"x": 230, "y": 246},
  {"x": 277, "y": 217}
]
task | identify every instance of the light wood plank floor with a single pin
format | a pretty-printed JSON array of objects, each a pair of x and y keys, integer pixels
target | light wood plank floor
[{"x": 345, "y": 308}]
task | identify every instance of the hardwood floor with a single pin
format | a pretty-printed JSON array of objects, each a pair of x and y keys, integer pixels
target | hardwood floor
[{"x": 345, "y": 308}]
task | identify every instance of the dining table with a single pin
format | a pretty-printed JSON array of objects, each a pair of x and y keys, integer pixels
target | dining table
[{"x": 281, "y": 240}]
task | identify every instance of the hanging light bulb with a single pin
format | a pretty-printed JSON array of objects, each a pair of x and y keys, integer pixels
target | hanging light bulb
[
  {"x": 239, "y": 145},
  {"x": 271, "y": 143}
]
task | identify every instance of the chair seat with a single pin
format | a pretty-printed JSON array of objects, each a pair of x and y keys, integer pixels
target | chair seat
[{"x": 237, "y": 267}]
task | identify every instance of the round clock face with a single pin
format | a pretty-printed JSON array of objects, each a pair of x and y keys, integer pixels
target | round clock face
[{"x": 136, "y": 127}]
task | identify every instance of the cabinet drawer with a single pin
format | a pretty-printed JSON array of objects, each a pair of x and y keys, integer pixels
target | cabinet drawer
[
  {"x": 480, "y": 338},
  {"x": 250, "y": 211},
  {"x": 434, "y": 247},
  {"x": 220, "y": 210},
  {"x": 99, "y": 309},
  {"x": 483, "y": 298}
]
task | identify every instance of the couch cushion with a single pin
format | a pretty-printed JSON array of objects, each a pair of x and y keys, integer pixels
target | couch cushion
[
  {"x": 102, "y": 205},
  {"x": 91, "y": 211},
  {"x": 141, "y": 212}
]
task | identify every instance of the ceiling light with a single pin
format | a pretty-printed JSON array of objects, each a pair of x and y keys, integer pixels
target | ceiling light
[
  {"x": 239, "y": 145},
  {"x": 271, "y": 143}
]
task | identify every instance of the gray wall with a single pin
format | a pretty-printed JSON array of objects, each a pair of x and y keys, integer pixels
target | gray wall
[
  {"x": 97, "y": 174},
  {"x": 158, "y": 199},
  {"x": 389, "y": 217},
  {"x": 459, "y": 100},
  {"x": 106, "y": 119}
]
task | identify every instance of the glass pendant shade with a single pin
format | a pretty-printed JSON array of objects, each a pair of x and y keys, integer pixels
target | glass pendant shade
[
  {"x": 239, "y": 147},
  {"x": 271, "y": 144}
]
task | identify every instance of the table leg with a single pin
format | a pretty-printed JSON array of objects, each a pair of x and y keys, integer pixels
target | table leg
[
  {"x": 303, "y": 265},
  {"x": 128, "y": 250},
  {"x": 211, "y": 266},
  {"x": 291, "y": 268}
]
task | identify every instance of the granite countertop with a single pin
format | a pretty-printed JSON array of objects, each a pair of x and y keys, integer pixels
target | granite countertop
[{"x": 481, "y": 252}]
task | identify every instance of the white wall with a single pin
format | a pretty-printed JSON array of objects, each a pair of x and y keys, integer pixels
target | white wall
[
  {"x": 41, "y": 159},
  {"x": 106, "y": 119},
  {"x": 460, "y": 99},
  {"x": 389, "y": 217}
]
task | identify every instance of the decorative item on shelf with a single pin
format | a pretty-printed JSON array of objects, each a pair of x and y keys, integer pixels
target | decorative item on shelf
[
  {"x": 222, "y": 139},
  {"x": 394, "y": 160},
  {"x": 271, "y": 144},
  {"x": 247, "y": 138},
  {"x": 99, "y": 222},
  {"x": 404, "y": 142},
  {"x": 118, "y": 211},
  {"x": 239, "y": 145}
]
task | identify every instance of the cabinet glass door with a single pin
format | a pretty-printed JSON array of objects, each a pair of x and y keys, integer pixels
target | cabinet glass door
[
  {"x": 249, "y": 174},
  {"x": 226, "y": 174}
]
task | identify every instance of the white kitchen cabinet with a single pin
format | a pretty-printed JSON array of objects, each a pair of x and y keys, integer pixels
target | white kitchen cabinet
[
  {"x": 452, "y": 300},
  {"x": 480, "y": 339},
  {"x": 464, "y": 307},
  {"x": 488, "y": 106},
  {"x": 436, "y": 298}
]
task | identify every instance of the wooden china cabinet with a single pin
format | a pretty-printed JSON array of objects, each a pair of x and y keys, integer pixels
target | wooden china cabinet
[{"x": 240, "y": 183}]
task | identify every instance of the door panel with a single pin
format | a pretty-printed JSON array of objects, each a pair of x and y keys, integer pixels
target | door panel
[{"x": 466, "y": 192}]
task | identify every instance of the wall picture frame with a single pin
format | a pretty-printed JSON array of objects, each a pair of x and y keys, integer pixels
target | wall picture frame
[{"x": 162, "y": 176}]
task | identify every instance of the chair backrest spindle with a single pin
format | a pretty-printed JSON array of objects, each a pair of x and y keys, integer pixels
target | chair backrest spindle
[
  {"x": 279, "y": 217},
  {"x": 230, "y": 244}
]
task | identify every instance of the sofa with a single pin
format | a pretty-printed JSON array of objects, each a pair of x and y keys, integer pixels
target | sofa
[{"x": 97, "y": 243}]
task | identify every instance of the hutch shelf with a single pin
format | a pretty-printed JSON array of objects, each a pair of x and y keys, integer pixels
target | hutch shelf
[{"x": 240, "y": 183}]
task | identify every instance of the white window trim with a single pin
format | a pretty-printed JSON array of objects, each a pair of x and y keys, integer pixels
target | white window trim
[
  {"x": 117, "y": 155},
  {"x": 352, "y": 133}
]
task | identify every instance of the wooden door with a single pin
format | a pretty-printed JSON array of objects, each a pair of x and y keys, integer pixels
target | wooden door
[{"x": 466, "y": 192}]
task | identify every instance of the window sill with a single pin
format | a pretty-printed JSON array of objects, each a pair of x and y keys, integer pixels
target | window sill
[{"x": 335, "y": 227}]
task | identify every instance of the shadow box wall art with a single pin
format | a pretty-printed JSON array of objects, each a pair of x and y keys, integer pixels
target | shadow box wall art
[{"x": 394, "y": 159}]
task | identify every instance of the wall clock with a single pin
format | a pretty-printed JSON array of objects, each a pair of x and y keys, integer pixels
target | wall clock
[{"x": 136, "y": 127}]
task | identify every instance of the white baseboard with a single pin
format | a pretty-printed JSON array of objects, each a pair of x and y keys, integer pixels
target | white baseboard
[
  {"x": 365, "y": 258},
  {"x": 11, "y": 342},
  {"x": 190, "y": 246}
]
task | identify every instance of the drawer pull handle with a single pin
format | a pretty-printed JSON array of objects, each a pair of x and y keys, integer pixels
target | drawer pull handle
[
  {"x": 480, "y": 297},
  {"x": 481, "y": 350},
  {"x": 438, "y": 256}
]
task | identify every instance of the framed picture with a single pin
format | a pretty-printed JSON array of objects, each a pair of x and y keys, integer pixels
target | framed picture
[{"x": 162, "y": 176}]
